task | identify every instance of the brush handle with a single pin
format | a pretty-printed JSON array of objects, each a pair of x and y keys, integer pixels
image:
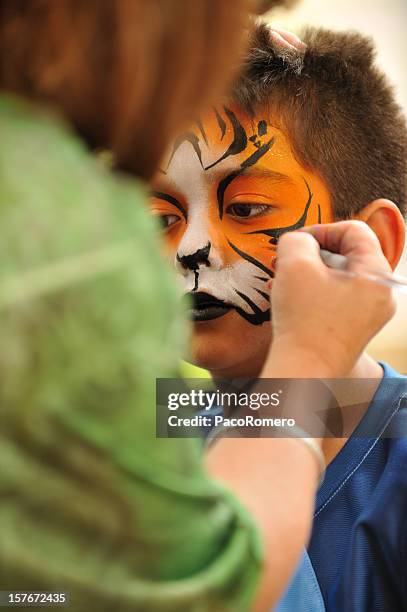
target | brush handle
[
  {"x": 340, "y": 262},
  {"x": 333, "y": 260}
]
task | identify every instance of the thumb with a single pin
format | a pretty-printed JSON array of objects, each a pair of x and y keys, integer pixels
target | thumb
[{"x": 298, "y": 247}]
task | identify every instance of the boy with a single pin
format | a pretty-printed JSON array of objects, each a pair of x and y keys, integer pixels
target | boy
[{"x": 307, "y": 137}]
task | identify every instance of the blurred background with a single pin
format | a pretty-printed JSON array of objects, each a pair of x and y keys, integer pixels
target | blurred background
[{"x": 386, "y": 22}]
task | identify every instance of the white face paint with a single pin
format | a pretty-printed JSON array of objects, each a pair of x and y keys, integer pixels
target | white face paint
[{"x": 215, "y": 275}]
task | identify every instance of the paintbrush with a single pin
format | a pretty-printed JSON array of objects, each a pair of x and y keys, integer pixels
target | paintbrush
[{"x": 340, "y": 262}]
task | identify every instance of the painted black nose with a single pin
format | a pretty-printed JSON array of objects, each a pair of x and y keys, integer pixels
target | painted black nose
[{"x": 192, "y": 262}]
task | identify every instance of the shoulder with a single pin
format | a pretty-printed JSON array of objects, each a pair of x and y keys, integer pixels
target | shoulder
[
  {"x": 386, "y": 512},
  {"x": 393, "y": 398},
  {"x": 52, "y": 189},
  {"x": 389, "y": 461}
]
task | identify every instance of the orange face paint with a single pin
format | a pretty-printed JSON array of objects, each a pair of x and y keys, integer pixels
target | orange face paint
[{"x": 229, "y": 189}]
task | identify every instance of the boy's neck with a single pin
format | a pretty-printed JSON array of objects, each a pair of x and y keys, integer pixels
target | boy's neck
[{"x": 366, "y": 367}]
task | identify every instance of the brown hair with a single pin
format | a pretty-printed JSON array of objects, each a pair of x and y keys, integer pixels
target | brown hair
[
  {"x": 338, "y": 109},
  {"x": 126, "y": 73}
]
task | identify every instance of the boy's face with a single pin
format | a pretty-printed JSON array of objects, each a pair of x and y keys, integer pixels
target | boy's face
[{"x": 226, "y": 192}]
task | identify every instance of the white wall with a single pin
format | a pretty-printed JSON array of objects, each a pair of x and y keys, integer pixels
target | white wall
[{"x": 386, "y": 22}]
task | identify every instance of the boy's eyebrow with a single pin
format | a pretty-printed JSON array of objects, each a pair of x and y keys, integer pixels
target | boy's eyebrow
[
  {"x": 163, "y": 182},
  {"x": 169, "y": 198},
  {"x": 252, "y": 172},
  {"x": 267, "y": 173}
]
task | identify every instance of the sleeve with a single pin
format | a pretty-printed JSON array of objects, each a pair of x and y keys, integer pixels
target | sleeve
[{"x": 92, "y": 502}]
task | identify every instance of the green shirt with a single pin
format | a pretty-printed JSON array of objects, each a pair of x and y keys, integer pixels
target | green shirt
[{"x": 91, "y": 502}]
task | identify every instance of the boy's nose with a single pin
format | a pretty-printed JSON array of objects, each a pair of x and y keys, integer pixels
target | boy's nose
[
  {"x": 199, "y": 246},
  {"x": 192, "y": 261}
]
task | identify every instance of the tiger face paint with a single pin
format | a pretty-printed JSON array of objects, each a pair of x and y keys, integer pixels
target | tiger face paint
[{"x": 228, "y": 190}]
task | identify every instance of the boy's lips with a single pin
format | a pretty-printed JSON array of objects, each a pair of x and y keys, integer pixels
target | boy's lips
[{"x": 206, "y": 307}]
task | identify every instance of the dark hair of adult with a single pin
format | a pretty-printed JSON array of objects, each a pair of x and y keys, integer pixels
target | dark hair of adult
[{"x": 126, "y": 73}]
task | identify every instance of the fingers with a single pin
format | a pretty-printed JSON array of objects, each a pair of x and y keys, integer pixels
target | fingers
[
  {"x": 298, "y": 247},
  {"x": 344, "y": 237},
  {"x": 283, "y": 38},
  {"x": 353, "y": 239}
]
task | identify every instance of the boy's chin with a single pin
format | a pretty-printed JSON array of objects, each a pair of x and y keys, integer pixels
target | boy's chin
[
  {"x": 209, "y": 358},
  {"x": 230, "y": 346}
]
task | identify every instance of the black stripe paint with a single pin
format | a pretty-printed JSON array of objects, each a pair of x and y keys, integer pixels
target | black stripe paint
[
  {"x": 168, "y": 198},
  {"x": 239, "y": 142},
  {"x": 251, "y": 260},
  {"x": 250, "y": 161},
  {"x": 221, "y": 123},
  {"x": 276, "y": 232}
]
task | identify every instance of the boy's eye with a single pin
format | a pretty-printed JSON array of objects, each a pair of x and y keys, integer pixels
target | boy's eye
[
  {"x": 168, "y": 220},
  {"x": 244, "y": 211}
]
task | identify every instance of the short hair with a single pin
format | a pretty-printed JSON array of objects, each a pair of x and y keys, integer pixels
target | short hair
[
  {"x": 338, "y": 109},
  {"x": 127, "y": 74}
]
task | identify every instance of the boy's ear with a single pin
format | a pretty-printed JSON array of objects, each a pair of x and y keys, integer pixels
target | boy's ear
[{"x": 387, "y": 222}]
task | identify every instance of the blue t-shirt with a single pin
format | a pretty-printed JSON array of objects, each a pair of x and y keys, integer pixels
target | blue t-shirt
[
  {"x": 357, "y": 557},
  {"x": 358, "y": 547}
]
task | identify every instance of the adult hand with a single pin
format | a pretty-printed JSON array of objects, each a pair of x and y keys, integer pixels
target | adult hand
[{"x": 322, "y": 318}]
